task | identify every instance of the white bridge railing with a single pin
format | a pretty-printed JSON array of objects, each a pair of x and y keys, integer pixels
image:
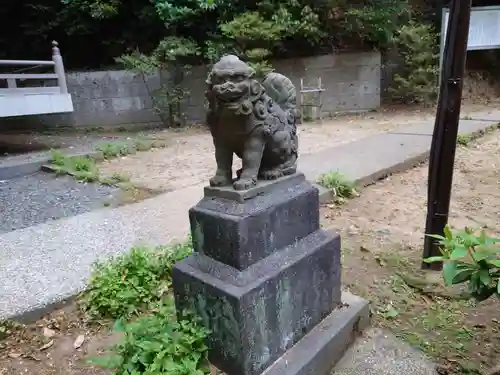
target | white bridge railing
[{"x": 23, "y": 92}]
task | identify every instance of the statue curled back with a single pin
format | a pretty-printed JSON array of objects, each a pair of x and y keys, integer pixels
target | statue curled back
[{"x": 256, "y": 120}]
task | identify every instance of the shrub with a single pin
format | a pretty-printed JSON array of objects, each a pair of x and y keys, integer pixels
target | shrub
[
  {"x": 158, "y": 344},
  {"x": 470, "y": 258},
  {"x": 417, "y": 81},
  {"x": 376, "y": 22},
  {"x": 129, "y": 284}
]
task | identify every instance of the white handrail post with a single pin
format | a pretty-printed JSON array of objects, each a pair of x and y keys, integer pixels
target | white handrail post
[{"x": 59, "y": 67}]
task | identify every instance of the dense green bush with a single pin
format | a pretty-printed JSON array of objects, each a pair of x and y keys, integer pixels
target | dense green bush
[
  {"x": 158, "y": 344},
  {"x": 416, "y": 81},
  {"x": 470, "y": 258},
  {"x": 127, "y": 285},
  {"x": 376, "y": 22}
]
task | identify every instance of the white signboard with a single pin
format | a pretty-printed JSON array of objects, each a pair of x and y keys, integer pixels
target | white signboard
[{"x": 484, "y": 29}]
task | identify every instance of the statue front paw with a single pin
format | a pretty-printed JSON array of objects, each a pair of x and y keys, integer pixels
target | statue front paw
[
  {"x": 271, "y": 174},
  {"x": 220, "y": 180},
  {"x": 244, "y": 184}
]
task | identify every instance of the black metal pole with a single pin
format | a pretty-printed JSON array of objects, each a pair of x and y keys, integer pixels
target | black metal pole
[{"x": 444, "y": 138}]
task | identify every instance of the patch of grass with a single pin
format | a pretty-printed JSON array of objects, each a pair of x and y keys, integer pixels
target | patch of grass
[
  {"x": 418, "y": 308},
  {"x": 127, "y": 285},
  {"x": 158, "y": 343},
  {"x": 85, "y": 168},
  {"x": 464, "y": 139},
  {"x": 341, "y": 187},
  {"x": 438, "y": 327},
  {"x": 112, "y": 150},
  {"x": 7, "y": 328},
  {"x": 82, "y": 168},
  {"x": 116, "y": 149},
  {"x": 435, "y": 325},
  {"x": 143, "y": 144},
  {"x": 115, "y": 179},
  {"x": 134, "y": 289}
]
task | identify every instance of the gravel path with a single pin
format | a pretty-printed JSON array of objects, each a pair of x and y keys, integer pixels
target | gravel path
[{"x": 40, "y": 197}]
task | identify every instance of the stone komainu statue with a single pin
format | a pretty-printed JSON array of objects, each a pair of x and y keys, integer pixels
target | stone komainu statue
[{"x": 256, "y": 120}]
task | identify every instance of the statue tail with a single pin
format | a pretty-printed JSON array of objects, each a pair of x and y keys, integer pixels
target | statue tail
[{"x": 283, "y": 92}]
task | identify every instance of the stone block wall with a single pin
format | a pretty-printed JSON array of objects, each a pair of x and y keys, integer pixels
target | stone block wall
[
  {"x": 121, "y": 98},
  {"x": 351, "y": 80}
]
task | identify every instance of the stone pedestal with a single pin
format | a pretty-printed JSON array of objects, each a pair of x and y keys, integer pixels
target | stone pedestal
[{"x": 263, "y": 275}]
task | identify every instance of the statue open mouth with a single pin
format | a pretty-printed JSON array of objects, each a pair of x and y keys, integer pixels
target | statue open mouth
[{"x": 229, "y": 96}]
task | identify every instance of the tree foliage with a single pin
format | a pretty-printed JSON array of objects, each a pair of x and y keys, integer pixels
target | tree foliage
[
  {"x": 418, "y": 77},
  {"x": 171, "y": 36},
  {"x": 92, "y": 33}
]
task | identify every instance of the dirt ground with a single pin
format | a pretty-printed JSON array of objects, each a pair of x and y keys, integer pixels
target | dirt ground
[
  {"x": 382, "y": 237},
  {"x": 382, "y": 245},
  {"x": 184, "y": 162}
]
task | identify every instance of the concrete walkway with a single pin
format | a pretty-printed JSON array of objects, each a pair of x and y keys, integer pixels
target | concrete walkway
[{"x": 47, "y": 263}]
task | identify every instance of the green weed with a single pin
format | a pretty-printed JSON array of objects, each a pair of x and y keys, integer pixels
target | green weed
[
  {"x": 82, "y": 168},
  {"x": 158, "y": 343},
  {"x": 115, "y": 149},
  {"x": 8, "y": 327},
  {"x": 341, "y": 187},
  {"x": 115, "y": 179},
  {"x": 464, "y": 139},
  {"x": 471, "y": 258},
  {"x": 143, "y": 145},
  {"x": 127, "y": 285}
]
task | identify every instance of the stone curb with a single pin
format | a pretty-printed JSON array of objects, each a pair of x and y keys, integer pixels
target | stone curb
[
  {"x": 29, "y": 167},
  {"x": 325, "y": 345},
  {"x": 18, "y": 169},
  {"x": 326, "y": 195}
]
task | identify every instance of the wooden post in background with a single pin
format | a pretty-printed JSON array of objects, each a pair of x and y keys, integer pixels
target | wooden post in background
[{"x": 444, "y": 138}]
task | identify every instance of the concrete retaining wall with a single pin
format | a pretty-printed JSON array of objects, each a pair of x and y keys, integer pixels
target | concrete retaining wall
[{"x": 121, "y": 98}]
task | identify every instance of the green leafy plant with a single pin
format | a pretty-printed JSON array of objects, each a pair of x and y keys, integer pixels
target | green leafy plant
[
  {"x": 417, "y": 80},
  {"x": 464, "y": 139},
  {"x": 115, "y": 179},
  {"x": 7, "y": 327},
  {"x": 340, "y": 186},
  {"x": 170, "y": 60},
  {"x": 144, "y": 145},
  {"x": 82, "y": 168},
  {"x": 114, "y": 149},
  {"x": 58, "y": 158},
  {"x": 471, "y": 258},
  {"x": 126, "y": 285},
  {"x": 158, "y": 344}
]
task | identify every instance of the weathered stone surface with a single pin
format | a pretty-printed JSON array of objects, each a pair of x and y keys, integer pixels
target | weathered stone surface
[
  {"x": 322, "y": 347},
  {"x": 256, "y": 315},
  {"x": 262, "y": 187},
  {"x": 254, "y": 119},
  {"x": 240, "y": 235}
]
